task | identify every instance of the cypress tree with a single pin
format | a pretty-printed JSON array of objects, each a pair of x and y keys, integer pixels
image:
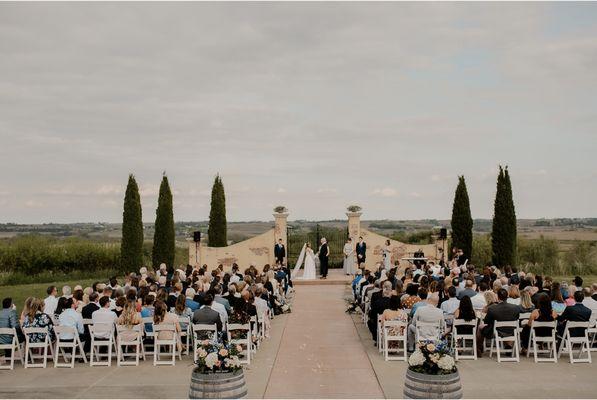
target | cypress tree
[
  {"x": 503, "y": 233},
  {"x": 462, "y": 222},
  {"x": 216, "y": 232},
  {"x": 131, "y": 246},
  {"x": 163, "y": 237}
]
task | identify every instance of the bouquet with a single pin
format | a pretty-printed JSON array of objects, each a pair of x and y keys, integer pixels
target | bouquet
[
  {"x": 432, "y": 357},
  {"x": 215, "y": 357}
]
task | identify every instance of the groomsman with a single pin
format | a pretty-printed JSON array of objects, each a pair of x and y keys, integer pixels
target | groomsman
[
  {"x": 279, "y": 252},
  {"x": 323, "y": 253},
  {"x": 361, "y": 251}
]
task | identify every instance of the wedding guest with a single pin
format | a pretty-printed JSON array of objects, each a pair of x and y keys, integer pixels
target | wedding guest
[
  {"x": 8, "y": 319},
  {"x": 103, "y": 319},
  {"x": 378, "y": 305},
  {"x": 465, "y": 311},
  {"x": 71, "y": 318},
  {"x": 51, "y": 302},
  {"x": 543, "y": 313},
  {"x": 36, "y": 318},
  {"x": 207, "y": 315}
]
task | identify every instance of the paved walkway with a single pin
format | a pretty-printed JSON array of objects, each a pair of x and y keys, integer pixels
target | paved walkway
[{"x": 320, "y": 354}]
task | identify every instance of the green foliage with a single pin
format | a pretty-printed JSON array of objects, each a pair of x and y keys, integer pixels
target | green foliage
[
  {"x": 131, "y": 248},
  {"x": 462, "y": 222},
  {"x": 503, "y": 234},
  {"x": 540, "y": 255},
  {"x": 34, "y": 254},
  {"x": 581, "y": 259},
  {"x": 418, "y": 237},
  {"x": 163, "y": 238},
  {"x": 216, "y": 233},
  {"x": 481, "y": 250}
]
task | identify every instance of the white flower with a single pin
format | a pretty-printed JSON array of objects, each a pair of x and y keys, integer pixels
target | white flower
[
  {"x": 446, "y": 362},
  {"x": 416, "y": 358},
  {"x": 211, "y": 360},
  {"x": 434, "y": 358},
  {"x": 201, "y": 353}
]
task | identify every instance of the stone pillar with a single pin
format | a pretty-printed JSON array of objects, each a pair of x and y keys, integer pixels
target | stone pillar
[
  {"x": 194, "y": 253},
  {"x": 354, "y": 225},
  {"x": 280, "y": 220}
]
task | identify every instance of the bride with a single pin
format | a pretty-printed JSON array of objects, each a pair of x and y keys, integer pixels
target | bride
[{"x": 308, "y": 257}]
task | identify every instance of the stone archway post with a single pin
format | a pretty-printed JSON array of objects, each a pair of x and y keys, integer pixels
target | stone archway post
[
  {"x": 354, "y": 226},
  {"x": 280, "y": 230}
]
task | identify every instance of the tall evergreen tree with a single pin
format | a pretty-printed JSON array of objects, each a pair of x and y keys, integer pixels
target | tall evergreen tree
[
  {"x": 131, "y": 246},
  {"x": 462, "y": 222},
  {"x": 163, "y": 237},
  {"x": 503, "y": 233},
  {"x": 216, "y": 233}
]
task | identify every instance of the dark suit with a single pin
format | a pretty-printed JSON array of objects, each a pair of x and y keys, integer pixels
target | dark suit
[
  {"x": 323, "y": 259},
  {"x": 378, "y": 305},
  {"x": 279, "y": 253},
  {"x": 361, "y": 250},
  {"x": 86, "y": 313},
  {"x": 206, "y": 315},
  {"x": 466, "y": 292},
  {"x": 500, "y": 312},
  {"x": 576, "y": 313}
]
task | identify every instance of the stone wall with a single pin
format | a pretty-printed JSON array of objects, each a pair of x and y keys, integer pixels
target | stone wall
[{"x": 376, "y": 243}]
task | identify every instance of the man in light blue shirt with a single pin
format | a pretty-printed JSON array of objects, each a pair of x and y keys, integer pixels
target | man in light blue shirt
[{"x": 70, "y": 317}]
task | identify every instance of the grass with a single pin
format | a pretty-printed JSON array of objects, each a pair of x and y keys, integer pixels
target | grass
[{"x": 20, "y": 292}]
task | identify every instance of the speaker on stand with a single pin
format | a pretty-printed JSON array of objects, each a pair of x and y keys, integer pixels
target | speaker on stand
[
  {"x": 197, "y": 240},
  {"x": 443, "y": 236}
]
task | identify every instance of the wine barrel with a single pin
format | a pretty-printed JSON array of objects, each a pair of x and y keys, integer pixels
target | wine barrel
[
  {"x": 423, "y": 386},
  {"x": 227, "y": 385}
]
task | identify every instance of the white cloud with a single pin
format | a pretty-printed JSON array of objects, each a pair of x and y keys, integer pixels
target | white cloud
[
  {"x": 281, "y": 190},
  {"x": 109, "y": 190},
  {"x": 385, "y": 192}
]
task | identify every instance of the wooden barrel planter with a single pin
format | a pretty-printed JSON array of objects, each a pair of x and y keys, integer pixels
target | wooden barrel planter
[
  {"x": 423, "y": 386},
  {"x": 227, "y": 385}
]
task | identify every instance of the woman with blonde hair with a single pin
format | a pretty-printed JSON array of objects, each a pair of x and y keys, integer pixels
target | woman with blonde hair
[
  {"x": 526, "y": 304},
  {"x": 490, "y": 298},
  {"x": 513, "y": 295},
  {"x": 129, "y": 318},
  {"x": 162, "y": 316},
  {"x": 36, "y": 318},
  {"x": 26, "y": 309}
]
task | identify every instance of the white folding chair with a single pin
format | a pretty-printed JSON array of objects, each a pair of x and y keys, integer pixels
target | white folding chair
[
  {"x": 523, "y": 320},
  {"x": 159, "y": 344},
  {"x": 459, "y": 339},
  {"x": 380, "y": 340},
  {"x": 185, "y": 333},
  {"x": 244, "y": 340},
  {"x": 499, "y": 341},
  {"x": 254, "y": 334},
  {"x": 592, "y": 330},
  {"x": 547, "y": 341},
  {"x": 72, "y": 345},
  {"x": 129, "y": 337},
  {"x": 98, "y": 333},
  {"x": 45, "y": 345},
  {"x": 14, "y": 346},
  {"x": 395, "y": 332},
  {"x": 199, "y": 331},
  {"x": 148, "y": 330},
  {"x": 569, "y": 341}
]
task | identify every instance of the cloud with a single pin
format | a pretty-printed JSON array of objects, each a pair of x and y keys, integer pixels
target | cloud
[
  {"x": 385, "y": 192},
  {"x": 34, "y": 204},
  {"x": 281, "y": 190},
  {"x": 109, "y": 190}
]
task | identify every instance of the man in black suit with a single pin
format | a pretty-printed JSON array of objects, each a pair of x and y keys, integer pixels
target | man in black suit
[
  {"x": 576, "y": 313},
  {"x": 380, "y": 301},
  {"x": 361, "y": 251},
  {"x": 324, "y": 253},
  {"x": 86, "y": 313},
  {"x": 502, "y": 311},
  {"x": 279, "y": 252},
  {"x": 207, "y": 315}
]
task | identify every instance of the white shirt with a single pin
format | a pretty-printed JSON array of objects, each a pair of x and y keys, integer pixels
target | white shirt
[
  {"x": 50, "y": 304},
  {"x": 478, "y": 301},
  {"x": 450, "y": 306},
  {"x": 73, "y": 319},
  {"x": 261, "y": 306},
  {"x": 103, "y": 316},
  {"x": 590, "y": 303},
  {"x": 234, "y": 278},
  {"x": 221, "y": 309},
  {"x": 431, "y": 314},
  {"x": 513, "y": 301}
]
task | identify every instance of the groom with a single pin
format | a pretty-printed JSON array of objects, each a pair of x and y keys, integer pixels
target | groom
[
  {"x": 324, "y": 252},
  {"x": 279, "y": 252}
]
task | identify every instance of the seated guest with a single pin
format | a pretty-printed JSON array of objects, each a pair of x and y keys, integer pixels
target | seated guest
[
  {"x": 411, "y": 296},
  {"x": 468, "y": 290},
  {"x": 569, "y": 295},
  {"x": 171, "y": 299},
  {"x": 161, "y": 316},
  {"x": 513, "y": 295},
  {"x": 35, "y": 318},
  {"x": 466, "y": 312},
  {"x": 526, "y": 304},
  {"x": 451, "y": 305},
  {"x": 189, "y": 300},
  {"x": 393, "y": 312},
  {"x": 557, "y": 301},
  {"x": 129, "y": 318},
  {"x": 576, "y": 313},
  {"x": 543, "y": 313},
  {"x": 589, "y": 302},
  {"x": 104, "y": 319},
  {"x": 378, "y": 306},
  {"x": 233, "y": 296},
  {"x": 51, "y": 302},
  {"x": 183, "y": 310},
  {"x": 223, "y": 301},
  {"x": 423, "y": 295},
  {"x": 429, "y": 313},
  {"x": 207, "y": 315},
  {"x": 8, "y": 319},
  {"x": 71, "y": 318},
  {"x": 66, "y": 292},
  {"x": 478, "y": 299},
  {"x": 501, "y": 311}
]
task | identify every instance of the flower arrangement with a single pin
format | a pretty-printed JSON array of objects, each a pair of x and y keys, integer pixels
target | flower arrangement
[
  {"x": 354, "y": 208},
  {"x": 433, "y": 358},
  {"x": 280, "y": 209},
  {"x": 213, "y": 357}
]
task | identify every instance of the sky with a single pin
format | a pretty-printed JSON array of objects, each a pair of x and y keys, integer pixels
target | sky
[{"x": 315, "y": 106}]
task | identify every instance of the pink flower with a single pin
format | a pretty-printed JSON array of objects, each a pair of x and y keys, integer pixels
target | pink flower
[
  {"x": 223, "y": 352},
  {"x": 239, "y": 348}
]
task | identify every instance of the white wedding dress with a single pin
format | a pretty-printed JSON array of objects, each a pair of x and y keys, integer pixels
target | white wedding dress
[{"x": 308, "y": 257}]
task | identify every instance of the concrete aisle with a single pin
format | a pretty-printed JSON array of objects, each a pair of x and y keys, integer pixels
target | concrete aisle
[{"x": 320, "y": 354}]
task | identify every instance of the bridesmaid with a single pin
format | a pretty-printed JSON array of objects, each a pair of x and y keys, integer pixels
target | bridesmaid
[
  {"x": 387, "y": 255},
  {"x": 349, "y": 268}
]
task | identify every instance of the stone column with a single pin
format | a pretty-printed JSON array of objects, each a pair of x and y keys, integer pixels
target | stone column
[
  {"x": 194, "y": 253},
  {"x": 354, "y": 225},
  {"x": 280, "y": 223}
]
